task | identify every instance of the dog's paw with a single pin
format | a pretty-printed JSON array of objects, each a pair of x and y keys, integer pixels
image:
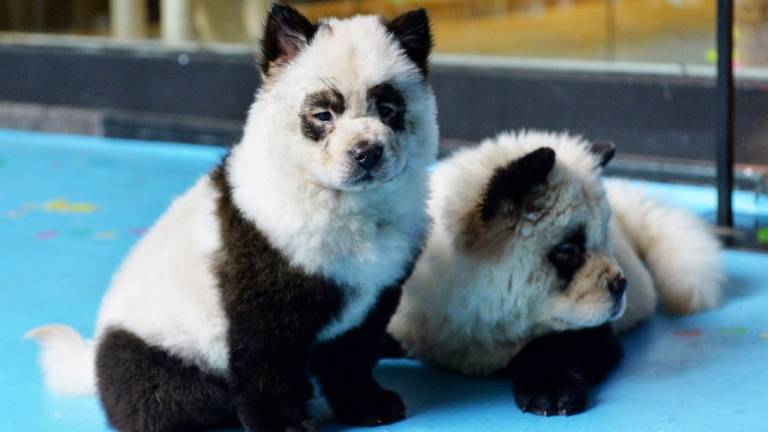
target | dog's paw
[
  {"x": 310, "y": 425},
  {"x": 378, "y": 408},
  {"x": 278, "y": 420},
  {"x": 554, "y": 395}
]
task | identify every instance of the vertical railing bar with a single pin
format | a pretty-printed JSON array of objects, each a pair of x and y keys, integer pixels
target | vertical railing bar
[{"x": 724, "y": 109}]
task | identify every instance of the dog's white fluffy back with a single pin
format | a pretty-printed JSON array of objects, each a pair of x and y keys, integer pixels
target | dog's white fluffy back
[{"x": 679, "y": 249}]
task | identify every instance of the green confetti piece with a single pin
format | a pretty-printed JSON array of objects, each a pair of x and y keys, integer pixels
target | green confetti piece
[
  {"x": 104, "y": 235},
  {"x": 81, "y": 232},
  {"x": 762, "y": 236},
  {"x": 734, "y": 331}
]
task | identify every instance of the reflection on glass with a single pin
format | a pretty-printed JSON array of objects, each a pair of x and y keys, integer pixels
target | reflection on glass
[{"x": 679, "y": 31}]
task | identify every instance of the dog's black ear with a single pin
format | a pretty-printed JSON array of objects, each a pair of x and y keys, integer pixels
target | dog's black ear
[
  {"x": 412, "y": 30},
  {"x": 285, "y": 34},
  {"x": 513, "y": 182},
  {"x": 604, "y": 150}
]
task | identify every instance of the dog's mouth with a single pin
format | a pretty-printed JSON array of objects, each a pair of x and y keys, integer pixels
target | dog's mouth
[
  {"x": 375, "y": 177},
  {"x": 366, "y": 177},
  {"x": 618, "y": 308}
]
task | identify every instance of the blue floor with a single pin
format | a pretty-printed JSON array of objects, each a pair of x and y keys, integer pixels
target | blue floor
[{"x": 70, "y": 207}]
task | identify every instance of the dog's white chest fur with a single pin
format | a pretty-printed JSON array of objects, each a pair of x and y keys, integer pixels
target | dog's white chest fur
[{"x": 371, "y": 267}]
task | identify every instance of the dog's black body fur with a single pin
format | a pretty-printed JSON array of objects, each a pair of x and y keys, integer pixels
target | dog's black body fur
[{"x": 275, "y": 313}]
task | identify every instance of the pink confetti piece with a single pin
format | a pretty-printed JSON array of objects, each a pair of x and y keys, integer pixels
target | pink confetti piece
[
  {"x": 688, "y": 333},
  {"x": 46, "y": 235},
  {"x": 138, "y": 231}
]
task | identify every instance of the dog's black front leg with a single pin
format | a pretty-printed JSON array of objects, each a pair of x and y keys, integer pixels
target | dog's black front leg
[
  {"x": 269, "y": 346},
  {"x": 344, "y": 368},
  {"x": 552, "y": 374}
]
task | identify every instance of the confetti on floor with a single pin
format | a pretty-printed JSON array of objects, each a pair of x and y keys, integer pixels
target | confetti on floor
[
  {"x": 734, "y": 331},
  {"x": 690, "y": 333},
  {"x": 47, "y": 234},
  {"x": 104, "y": 235},
  {"x": 138, "y": 231},
  {"x": 64, "y": 206}
]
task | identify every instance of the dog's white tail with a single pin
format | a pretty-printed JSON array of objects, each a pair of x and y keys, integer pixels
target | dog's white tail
[
  {"x": 67, "y": 360},
  {"x": 680, "y": 250}
]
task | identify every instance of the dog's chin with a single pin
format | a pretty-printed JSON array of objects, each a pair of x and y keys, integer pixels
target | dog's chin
[
  {"x": 362, "y": 181},
  {"x": 562, "y": 324}
]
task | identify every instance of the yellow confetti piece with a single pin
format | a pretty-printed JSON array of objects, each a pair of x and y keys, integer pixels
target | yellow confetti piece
[
  {"x": 104, "y": 235},
  {"x": 764, "y": 335},
  {"x": 63, "y": 206}
]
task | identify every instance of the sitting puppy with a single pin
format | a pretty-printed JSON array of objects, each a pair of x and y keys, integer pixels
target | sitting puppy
[
  {"x": 288, "y": 258},
  {"x": 524, "y": 245}
]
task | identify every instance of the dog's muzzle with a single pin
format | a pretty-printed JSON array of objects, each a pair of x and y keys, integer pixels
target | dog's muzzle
[{"x": 367, "y": 158}]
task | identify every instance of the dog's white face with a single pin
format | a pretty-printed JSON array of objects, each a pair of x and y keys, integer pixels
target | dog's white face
[
  {"x": 537, "y": 231},
  {"x": 347, "y": 101}
]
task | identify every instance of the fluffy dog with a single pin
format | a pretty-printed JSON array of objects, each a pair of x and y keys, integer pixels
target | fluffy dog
[
  {"x": 286, "y": 260},
  {"x": 525, "y": 265}
]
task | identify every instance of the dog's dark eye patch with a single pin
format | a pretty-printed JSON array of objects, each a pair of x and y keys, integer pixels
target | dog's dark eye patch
[
  {"x": 389, "y": 105},
  {"x": 568, "y": 255},
  {"x": 330, "y": 100}
]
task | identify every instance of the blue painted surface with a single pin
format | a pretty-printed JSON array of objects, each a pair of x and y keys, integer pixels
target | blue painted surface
[{"x": 700, "y": 373}]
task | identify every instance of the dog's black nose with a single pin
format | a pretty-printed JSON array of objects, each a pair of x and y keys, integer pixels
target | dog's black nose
[
  {"x": 617, "y": 286},
  {"x": 366, "y": 155}
]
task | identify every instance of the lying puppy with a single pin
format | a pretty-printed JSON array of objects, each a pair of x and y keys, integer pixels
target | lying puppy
[
  {"x": 523, "y": 245},
  {"x": 288, "y": 258}
]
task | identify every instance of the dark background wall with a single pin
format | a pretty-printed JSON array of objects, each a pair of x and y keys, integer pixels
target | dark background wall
[{"x": 203, "y": 97}]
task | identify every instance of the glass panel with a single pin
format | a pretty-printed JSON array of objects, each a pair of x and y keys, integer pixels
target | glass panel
[{"x": 659, "y": 31}]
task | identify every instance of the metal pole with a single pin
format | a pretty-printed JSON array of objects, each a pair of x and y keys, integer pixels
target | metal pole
[{"x": 724, "y": 108}]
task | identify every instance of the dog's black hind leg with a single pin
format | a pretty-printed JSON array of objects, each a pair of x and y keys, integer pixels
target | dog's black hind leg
[
  {"x": 552, "y": 374},
  {"x": 145, "y": 389}
]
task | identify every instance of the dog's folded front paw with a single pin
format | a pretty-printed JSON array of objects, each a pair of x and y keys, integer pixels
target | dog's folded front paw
[
  {"x": 277, "y": 419},
  {"x": 305, "y": 426},
  {"x": 553, "y": 395},
  {"x": 310, "y": 425},
  {"x": 377, "y": 408}
]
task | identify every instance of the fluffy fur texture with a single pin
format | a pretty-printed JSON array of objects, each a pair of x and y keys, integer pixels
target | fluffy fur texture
[
  {"x": 678, "y": 248},
  {"x": 286, "y": 256},
  {"x": 523, "y": 246},
  {"x": 66, "y": 360}
]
